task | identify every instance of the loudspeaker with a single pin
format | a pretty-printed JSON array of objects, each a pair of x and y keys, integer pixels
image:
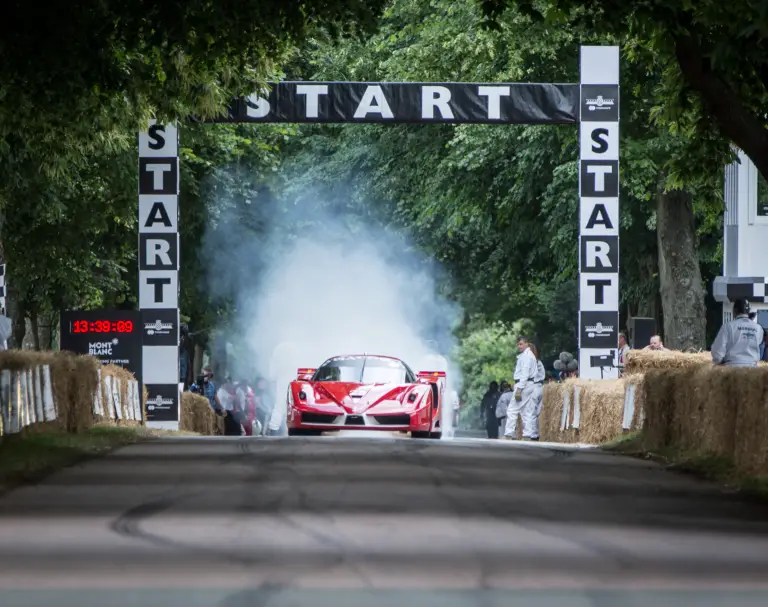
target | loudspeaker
[{"x": 640, "y": 332}]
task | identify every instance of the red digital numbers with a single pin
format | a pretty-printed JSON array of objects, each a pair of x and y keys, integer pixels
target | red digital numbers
[{"x": 102, "y": 326}]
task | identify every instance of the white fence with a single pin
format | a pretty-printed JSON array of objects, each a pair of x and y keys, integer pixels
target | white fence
[{"x": 27, "y": 398}]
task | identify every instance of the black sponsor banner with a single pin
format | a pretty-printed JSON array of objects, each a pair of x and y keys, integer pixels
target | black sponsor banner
[
  {"x": 410, "y": 102},
  {"x": 599, "y": 329},
  {"x": 599, "y": 103},
  {"x": 162, "y": 402},
  {"x": 160, "y": 327},
  {"x": 114, "y": 337}
]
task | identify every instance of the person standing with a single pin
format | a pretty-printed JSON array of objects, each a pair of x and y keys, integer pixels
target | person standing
[
  {"x": 623, "y": 351},
  {"x": 505, "y": 397},
  {"x": 656, "y": 344},
  {"x": 538, "y": 395},
  {"x": 738, "y": 342},
  {"x": 488, "y": 410},
  {"x": 227, "y": 396},
  {"x": 525, "y": 372}
]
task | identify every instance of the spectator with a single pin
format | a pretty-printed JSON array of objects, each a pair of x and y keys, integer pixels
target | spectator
[
  {"x": 227, "y": 396},
  {"x": 488, "y": 410},
  {"x": 207, "y": 389},
  {"x": 247, "y": 401},
  {"x": 522, "y": 404},
  {"x": 656, "y": 344},
  {"x": 6, "y": 329},
  {"x": 502, "y": 405},
  {"x": 738, "y": 342},
  {"x": 538, "y": 394},
  {"x": 623, "y": 349}
]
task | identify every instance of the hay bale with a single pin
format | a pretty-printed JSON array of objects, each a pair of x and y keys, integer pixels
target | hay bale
[
  {"x": 640, "y": 361},
  {"x": 601, "y": 406},
  {"x": 638, "y": 417},
  {"x": 551, "y": 412},
  {"x": 125, "y": 376},
  {"x": 197, "y": 415},
  {"x": 750, "y": 442}
]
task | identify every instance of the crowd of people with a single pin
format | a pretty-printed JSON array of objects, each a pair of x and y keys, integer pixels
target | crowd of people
[
  {"x": 246, "y": 407},
  {"x": 503, "y": 404}
]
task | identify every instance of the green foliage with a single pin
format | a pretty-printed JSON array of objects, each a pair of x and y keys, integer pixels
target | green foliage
[{"x": 487, "y": 353}]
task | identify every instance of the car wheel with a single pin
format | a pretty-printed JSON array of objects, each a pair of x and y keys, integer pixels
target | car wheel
[
  {"x": 419, "y": 434},
  {"x": 436, "y": 435}
]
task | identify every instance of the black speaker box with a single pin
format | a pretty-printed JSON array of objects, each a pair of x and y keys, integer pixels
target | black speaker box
[{"x": 640, "y": 332}]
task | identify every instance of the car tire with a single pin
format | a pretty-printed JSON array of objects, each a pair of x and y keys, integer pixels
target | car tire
[
  {"x": 436, "y": 435},
  {"x": 419, "y": 434}
]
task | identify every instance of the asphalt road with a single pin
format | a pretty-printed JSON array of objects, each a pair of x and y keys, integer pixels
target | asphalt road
[{"x": 377, "y": 521}]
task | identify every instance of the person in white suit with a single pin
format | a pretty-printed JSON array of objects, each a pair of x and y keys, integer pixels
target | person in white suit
[{"x": 522, "y": 401}]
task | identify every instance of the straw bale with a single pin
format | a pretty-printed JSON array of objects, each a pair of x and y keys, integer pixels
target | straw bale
[
  {"x": 601, "y": 403},
  {"x": 551, "y": 412},
  {"x": 638, "y": 380},
  {"x": 196, "y": 414},
  {"x": 639, "y": 361},
  {"x": 751, "y": 424},
  {"x": 125, "y": 376}
]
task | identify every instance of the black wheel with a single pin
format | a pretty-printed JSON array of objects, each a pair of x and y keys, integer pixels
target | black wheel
[
  {"x": 436, "y": 435},
  {"x": 419, "y": 434}
]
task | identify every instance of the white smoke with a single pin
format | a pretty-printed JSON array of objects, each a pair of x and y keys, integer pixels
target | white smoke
[{"x": 302, "y": 295}]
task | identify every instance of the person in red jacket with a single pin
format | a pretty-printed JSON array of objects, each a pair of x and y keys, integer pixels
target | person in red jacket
[{"x": 247, "y": 401}]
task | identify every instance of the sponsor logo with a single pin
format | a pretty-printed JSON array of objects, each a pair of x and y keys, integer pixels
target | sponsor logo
[
  {"x": 158, "y": 327},
  {"x": 600, "y": 103},
  {"x": 102, "y": 348},
  {"x": 158, "y": 403},
  {"x": 599, "y": 329}
]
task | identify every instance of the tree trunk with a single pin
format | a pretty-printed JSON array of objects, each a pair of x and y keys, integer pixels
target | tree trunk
[
  {"x": 680, "y": 284},
  {"x": 35, "y": 329},
  {"x": 19, "y": 324},
  {"x": 197, "y": 363}
]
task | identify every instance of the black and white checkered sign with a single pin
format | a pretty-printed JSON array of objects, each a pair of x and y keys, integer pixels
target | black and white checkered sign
[
  {"x": 159, "y": 271},
  {"x": 599, "y": 212}
]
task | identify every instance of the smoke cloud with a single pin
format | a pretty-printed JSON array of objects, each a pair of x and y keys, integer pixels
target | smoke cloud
[{"x": 308, "y": 281}]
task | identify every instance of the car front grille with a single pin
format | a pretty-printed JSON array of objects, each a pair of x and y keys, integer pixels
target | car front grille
[
  {"x": 393, "y": 420},
  {"x": 318, "y": 418}
]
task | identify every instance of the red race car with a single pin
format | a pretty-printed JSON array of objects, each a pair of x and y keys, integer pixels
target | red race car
[{"x": 364, "y": 392}]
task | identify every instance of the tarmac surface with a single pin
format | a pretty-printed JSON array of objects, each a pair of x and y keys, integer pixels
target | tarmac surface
[{"x": 377, "y": 520}]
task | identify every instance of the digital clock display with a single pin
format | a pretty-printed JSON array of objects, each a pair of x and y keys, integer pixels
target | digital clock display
[{"x": 102, "y": 326}]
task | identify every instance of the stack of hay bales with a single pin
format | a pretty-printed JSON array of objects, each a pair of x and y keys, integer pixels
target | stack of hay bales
[
  {"x": 706, "y": 410},
  {"x": 197, "y": 415},
  {"x": 583, "y": 411},
  {"x": 74, "y": 380}
]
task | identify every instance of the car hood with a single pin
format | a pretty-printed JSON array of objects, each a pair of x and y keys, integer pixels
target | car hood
[{"x": 358, "y": 398}]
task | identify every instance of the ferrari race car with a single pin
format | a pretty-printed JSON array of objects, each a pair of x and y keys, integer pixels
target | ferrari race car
[{"x": 365, "y": 392}]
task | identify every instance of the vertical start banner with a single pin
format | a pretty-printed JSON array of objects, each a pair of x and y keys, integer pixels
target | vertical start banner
[
  {"x": 159, "y": 271},
  {"x": 599, "y": 212}
]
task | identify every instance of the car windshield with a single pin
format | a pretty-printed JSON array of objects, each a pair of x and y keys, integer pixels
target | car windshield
[{"x": 365, "y": 370}]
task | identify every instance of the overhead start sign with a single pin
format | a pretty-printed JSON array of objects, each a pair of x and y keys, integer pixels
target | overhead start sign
[
  {"x": 403, "y": 102},
  {"x": 593, "y": 103}
]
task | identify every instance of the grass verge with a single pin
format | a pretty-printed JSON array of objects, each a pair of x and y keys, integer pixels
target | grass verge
[
  {"x": 32, "y": 456},
  {"x": 712, "y": 468}
]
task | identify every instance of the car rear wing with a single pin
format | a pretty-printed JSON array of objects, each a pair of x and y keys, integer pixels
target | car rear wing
[
  {"x": 305, "y": 373},
  {"x": 431, "y": 377}
]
